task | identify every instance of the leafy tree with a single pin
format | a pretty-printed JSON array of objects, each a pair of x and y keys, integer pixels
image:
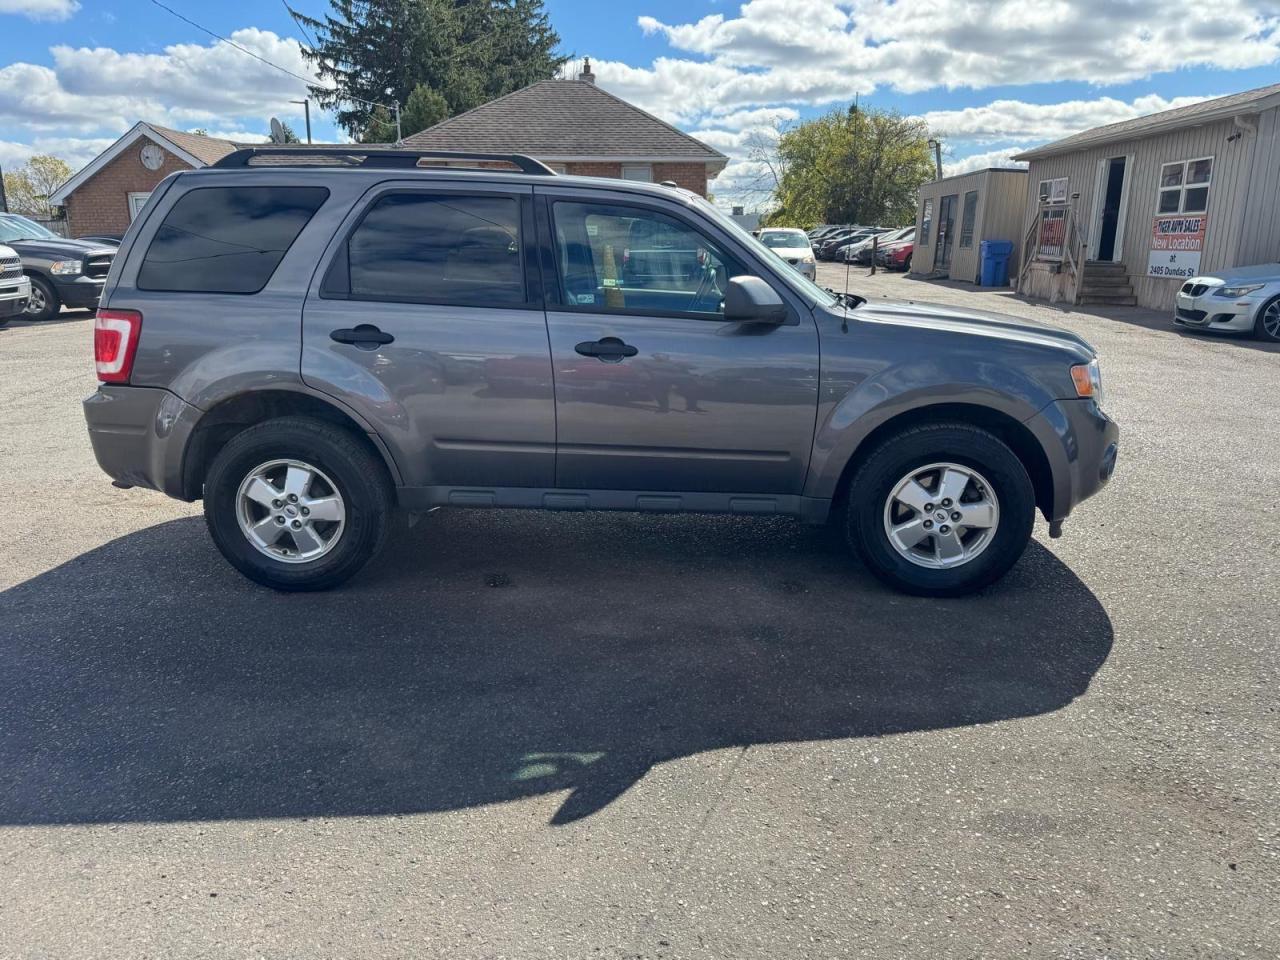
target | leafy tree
[
  {"x": 465, "y": 52},
  {"x": 27, "y": 188},
  {"x": 380, "y": 128},
  {"x": 424, "y": 108},
  {"x": 852, "y": 166}
]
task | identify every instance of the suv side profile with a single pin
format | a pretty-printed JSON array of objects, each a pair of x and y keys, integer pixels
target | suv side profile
[{"x": 311, "y": 338}]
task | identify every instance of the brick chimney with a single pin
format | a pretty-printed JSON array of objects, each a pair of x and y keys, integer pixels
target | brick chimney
[{"x": 586, "y": 73}]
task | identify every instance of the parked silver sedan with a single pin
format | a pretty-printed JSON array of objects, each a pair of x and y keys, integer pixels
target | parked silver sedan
[
  {"x": 792, "y": 246},
  {"x": 1238, "y": 300}
]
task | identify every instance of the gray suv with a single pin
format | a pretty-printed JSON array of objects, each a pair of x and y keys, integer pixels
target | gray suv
[{"x": 311, "y": 338}]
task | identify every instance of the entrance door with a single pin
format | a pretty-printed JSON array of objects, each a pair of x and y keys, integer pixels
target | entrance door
[
  {"x": 946, "y": 227},
  {"x": 653, "y": 389},
  {"x": 1112, "y": 204}
]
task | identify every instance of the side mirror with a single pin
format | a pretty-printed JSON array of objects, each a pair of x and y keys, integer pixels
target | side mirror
[{"x": 751, "y": 300}]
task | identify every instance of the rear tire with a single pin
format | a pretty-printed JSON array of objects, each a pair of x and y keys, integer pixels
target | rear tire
[
  {"x": 339, "y": 464},
  {"x": 44, "y": 303},
  {"x": 876, "y": 506}
]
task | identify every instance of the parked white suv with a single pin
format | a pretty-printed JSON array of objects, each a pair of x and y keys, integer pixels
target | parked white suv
[
  {"x": 15, "y": 288},
  {"x": 1237, "y": 300}
]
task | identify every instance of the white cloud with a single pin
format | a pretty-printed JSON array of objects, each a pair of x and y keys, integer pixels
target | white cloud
[
  {"x": 41, "y": 9},
  {"x": 820, "y": 51},
  {"x": 1003, "y": 120},
  {"x": 103, "y": 90},
  {"x": 77, "y": 151},
  {"x": 980, "y": 161}
]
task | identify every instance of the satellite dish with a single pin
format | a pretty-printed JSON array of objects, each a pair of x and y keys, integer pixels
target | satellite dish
[{"x": 277, "y": 131}]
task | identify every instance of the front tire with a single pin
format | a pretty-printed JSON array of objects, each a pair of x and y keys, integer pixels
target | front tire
[
  {"x": 297, "y": 504},
  {"x": 1267, "y": 326},
  {"x": 44, "y": 303},
  {"x": 940, "y": 510}
]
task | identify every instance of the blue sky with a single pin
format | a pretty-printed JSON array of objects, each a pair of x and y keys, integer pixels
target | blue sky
[{"x": 990, "y": 77}]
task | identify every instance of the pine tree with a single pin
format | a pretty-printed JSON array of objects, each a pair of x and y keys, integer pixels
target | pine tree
[{"x": 465, "y": 52}]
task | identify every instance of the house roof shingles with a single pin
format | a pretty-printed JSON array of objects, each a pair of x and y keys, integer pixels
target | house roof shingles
[
  {"x": 204, "y": 148},
  {"x": 563, "y": 119},
  {"x": 1206, "y": 111}
]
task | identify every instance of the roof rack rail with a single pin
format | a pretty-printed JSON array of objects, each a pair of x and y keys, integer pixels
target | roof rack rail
[{"x": 366, "y": 155}]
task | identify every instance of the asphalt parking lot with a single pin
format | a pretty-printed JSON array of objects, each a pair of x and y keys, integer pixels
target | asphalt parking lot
[{"x": 524, "y": 735}]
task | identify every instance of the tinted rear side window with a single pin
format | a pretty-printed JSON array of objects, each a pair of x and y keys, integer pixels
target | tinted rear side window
[
  {"x": 227, "y": 239},
  {"x": 434, "y": 248}
]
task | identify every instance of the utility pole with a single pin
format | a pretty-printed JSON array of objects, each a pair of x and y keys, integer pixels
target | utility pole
[
  {"x": 4, "y": 201},
  {"x": 396, "y": 104},
  {"x": 306, "y": 106},
  {"x": 937, "y": 157}
]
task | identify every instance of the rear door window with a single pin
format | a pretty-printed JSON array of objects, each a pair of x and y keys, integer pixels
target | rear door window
[
  {"x": 227, "y": 239},
  {"x": 418, "y": 247}
]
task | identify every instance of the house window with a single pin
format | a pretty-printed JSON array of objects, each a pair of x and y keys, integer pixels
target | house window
[
  {"x": 926, "y": 222},
  {"x": 637, "y": 171},
  {"x": 1053, "y": 191},
  {"x": 966, "y": 221},
  {"x": 1184, "y": 186},
  {"x": 559, "y": 167}
]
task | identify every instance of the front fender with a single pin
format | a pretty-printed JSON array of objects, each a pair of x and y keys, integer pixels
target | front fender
[{"x": 850, "y": 412}]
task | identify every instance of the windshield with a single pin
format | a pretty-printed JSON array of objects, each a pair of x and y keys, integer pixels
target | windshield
[
  {"x": 783, "y": 239},
  {"x": 14, "y": 227},
  {"x": 793, "y": 278}
]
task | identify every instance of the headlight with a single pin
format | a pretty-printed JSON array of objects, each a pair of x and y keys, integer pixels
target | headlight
[
  {"x": 1088, "y": 380},
  {"x": 66, "y": 268},
  {"x": 1241, "y": 291},
  {"x": 808, "y": 259}
]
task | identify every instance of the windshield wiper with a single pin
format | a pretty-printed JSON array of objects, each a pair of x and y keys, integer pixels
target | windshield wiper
[{"x": 850, "y": 300}]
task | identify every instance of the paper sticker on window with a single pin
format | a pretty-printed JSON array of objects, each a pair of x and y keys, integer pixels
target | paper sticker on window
[
  {"x": 593, "y": 230},
  {"x": 586, "y": 298}
]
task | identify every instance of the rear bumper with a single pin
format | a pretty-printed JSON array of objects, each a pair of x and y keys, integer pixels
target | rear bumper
[
  {"x": 139, "y": 435},
  {"x": 78, "y": 292},
  {"x": 1082, "y": 445}
]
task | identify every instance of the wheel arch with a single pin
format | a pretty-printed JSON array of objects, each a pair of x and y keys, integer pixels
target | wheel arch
[
  {"x": 1014, "y": 434},
  {"x": 230, "y": 416}
]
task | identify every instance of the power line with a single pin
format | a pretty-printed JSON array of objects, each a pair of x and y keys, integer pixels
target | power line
[{"x": 245, "y": 50}]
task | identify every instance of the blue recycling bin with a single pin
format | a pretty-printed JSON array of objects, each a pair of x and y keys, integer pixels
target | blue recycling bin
[{"x": 995, "y": 262}]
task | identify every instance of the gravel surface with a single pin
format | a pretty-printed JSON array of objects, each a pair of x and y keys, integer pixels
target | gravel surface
[{"x": 521, "y": 735}]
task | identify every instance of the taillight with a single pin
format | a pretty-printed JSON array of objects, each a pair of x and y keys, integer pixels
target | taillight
[{"x": 115, "y": 341}]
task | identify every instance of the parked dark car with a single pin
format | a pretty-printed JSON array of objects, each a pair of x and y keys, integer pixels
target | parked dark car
[
  {"x": 63, "y": 273},
  {"x": 860, "y": 252},
  {"x": 825, "y": 249},
  {"x": 307, "y": 347}
]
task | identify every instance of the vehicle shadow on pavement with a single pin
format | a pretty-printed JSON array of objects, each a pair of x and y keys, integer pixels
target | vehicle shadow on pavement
[{"x": 490, "y": 656}]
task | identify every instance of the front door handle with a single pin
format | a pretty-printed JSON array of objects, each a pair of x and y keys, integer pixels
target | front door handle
[
  {"x": 608, "y": 349},
  {"x": 365, "y": 336}
]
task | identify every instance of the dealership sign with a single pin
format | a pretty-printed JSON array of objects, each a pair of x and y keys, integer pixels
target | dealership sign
[{"x": 1176, "y": 243}]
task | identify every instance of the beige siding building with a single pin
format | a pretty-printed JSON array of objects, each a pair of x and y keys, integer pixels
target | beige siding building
[
  {"x": 957, "y": 213},
  {"x": 1125, "y": 213}
]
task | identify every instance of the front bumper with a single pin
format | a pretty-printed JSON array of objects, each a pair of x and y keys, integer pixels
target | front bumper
[
  {"x": 1211, "y": 312},
  {"x": 1082, "y": 445},
  {"x": 139, "y": 435},
  {"x": 809, "y": 270},
  {"x": 79, "y": 292},
  {"x": 14, "y": 294}
]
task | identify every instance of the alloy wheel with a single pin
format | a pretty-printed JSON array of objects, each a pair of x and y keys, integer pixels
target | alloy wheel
[
  {"x": 941, "y": 516},
  {"x": 36, "y": 302},
  {"x": 290, "y": 511},
  {"x": 1271, "y": 320}
]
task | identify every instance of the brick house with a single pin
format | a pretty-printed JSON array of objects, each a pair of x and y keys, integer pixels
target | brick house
[
  {"x": 575, "y": 127},
  {"x": 105, "y": 196}
]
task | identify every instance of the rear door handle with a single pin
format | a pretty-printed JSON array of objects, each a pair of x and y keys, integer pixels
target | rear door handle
[
  {"x": 608, "y": 349},
  {"x": 365, "y": 336}
]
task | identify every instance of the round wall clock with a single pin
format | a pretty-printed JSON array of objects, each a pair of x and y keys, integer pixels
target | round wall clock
[{"x": 152, "y": 157}]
